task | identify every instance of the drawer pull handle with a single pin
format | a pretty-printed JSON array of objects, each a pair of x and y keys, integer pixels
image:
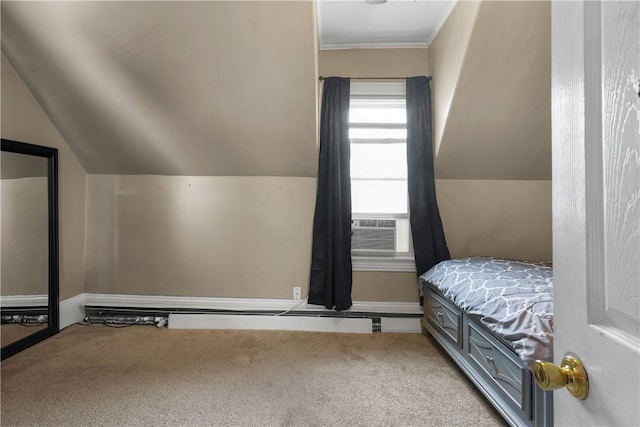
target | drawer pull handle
[
  {"x": 489, "y": 359},
  {"x": 440, "y": 316}
]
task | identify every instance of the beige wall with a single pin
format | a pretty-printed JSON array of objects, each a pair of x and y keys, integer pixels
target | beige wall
[
  {"x": 510, "y": 219},
  {"x": 23, "y": 120},
  {"x": 250, "y": 236},
  {"x": 223, "y": 236},
  {"x": 373, "y": 62},
  {"x": 199, "y": 236},
  {"x": 24, "y": 267},
  {"x": 446, "y": 54},
  {"x": 492, "y": 96},
  {"x": 210, "y": 236},
  {"x": 491, "y": 113},
  {"x": 209, "y": 88},
  {"x": 18, "y": 165},
  {"x": 384, "y": 286}
]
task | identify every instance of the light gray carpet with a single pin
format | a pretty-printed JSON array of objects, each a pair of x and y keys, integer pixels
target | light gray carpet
[{"x": 142, "y": 375}]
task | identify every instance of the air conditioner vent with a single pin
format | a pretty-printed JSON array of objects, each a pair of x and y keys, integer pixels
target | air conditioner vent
[{"x": 374, "y": 235}]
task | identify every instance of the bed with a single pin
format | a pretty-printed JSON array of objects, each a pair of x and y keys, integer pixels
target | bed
[{"x": 494, "y": 317}]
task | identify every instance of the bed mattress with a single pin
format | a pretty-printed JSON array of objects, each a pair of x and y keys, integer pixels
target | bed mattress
[{"x": 514, "y": 299}]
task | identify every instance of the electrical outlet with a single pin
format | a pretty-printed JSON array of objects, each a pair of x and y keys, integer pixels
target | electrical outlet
[{"x": 297, "y": 292}]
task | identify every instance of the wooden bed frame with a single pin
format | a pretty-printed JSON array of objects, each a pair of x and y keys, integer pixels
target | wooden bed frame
[{"x": 488, "y": 361}]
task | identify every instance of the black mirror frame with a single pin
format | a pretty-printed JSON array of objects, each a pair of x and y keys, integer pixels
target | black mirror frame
[{"x": 51, "y": 154}]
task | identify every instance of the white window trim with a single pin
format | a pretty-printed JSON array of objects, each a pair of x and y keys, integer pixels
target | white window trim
[
  {"x": 401, "y": 262},
  {"x": 377, "y": 263}
]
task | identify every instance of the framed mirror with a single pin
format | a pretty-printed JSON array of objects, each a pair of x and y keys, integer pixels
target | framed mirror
[{"x": 29, "y": 310}]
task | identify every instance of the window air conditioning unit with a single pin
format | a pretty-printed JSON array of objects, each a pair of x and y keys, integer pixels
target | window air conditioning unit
[{"x": 373, "y": 236}]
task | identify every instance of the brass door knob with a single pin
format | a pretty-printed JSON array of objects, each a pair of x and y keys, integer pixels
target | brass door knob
[{"x": 571, "y": 374}]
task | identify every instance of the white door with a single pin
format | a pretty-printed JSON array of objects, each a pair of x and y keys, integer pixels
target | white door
[{"x": 596, "y": 206}]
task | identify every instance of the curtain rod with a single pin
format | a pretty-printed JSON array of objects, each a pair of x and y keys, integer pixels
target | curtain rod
[{"x": 321, "y": 78}]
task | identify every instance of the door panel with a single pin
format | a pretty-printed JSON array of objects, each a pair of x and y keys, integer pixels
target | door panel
[
  {"x": 596, "y": 206},
  {"x": 613, "y": 212}
]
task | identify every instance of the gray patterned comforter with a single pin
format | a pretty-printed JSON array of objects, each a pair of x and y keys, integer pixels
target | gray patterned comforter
[{"x": 514, "y": 299}]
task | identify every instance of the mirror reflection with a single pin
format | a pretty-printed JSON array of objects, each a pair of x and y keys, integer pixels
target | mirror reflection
[{"x": 24, "y": 265}]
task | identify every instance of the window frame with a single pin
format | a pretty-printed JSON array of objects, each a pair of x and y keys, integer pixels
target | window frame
[{"x": 400, "y": 261}]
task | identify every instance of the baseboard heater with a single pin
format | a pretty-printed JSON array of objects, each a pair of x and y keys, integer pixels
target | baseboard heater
[
  {"x": 24, "y": 315},
  {"x": 261, "y": 322},
  {"x": 24, "y": 319},
  {"x": 348, "y": 322}
]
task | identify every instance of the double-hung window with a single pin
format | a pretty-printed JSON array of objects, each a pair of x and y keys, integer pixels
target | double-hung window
[{"x": 379, "y": 193}]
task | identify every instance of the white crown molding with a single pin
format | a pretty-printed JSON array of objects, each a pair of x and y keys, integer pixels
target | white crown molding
[{"x": 343, "y": 46}]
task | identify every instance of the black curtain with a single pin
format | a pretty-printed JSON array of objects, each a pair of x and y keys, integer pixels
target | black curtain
[
  {"x": 331, "y": 277},
  {"x": 429, "y": 242}
]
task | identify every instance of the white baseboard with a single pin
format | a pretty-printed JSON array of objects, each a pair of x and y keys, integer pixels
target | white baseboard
[
  {"x": 281, "y": 323},
  {"x": 71, "y": 310},
  {"x": 240, "y": 304},
  {"x": 9, "y": 301}
]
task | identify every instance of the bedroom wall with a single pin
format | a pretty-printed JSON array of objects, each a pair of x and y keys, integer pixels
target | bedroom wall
[
  {"x": 373, "y": 62},
  {"x": 446, "y": 53},
  {"x": 497, "y": 123},
  {"x": 492, "y": 128},
  {"x": 498, "y": 218},
  {"x": 23, "y": 120},
  {"x": 249, "y": 236},
  {"x": 210, "y": 236},
  {"x": 206, "y": 88},
  {"x": 24, "y": 268},
  {"x": 221, "y": 236},
  {"x": 199, "y": 236}
]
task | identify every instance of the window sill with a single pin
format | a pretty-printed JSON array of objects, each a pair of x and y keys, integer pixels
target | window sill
[{"x": 377, "y": 263}]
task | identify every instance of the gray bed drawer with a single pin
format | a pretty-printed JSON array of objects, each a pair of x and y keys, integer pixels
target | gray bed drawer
[
  {"x": 506, "y": 371},
  {"x": 445, "y": 316}
]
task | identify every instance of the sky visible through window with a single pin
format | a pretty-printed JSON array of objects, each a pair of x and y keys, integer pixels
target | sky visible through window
[{"x": 378, "y": 137}]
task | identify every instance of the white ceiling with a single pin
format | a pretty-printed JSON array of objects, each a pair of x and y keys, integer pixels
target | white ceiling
[{"x": 344, "y": 24}]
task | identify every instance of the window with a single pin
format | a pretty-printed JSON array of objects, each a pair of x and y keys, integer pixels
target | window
[{"x": 379, "y": 195}]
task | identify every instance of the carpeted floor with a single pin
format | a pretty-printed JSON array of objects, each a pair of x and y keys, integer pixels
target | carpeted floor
[
  {"x": 143, "y": 375},
  {"x": 12, "y": 332}
]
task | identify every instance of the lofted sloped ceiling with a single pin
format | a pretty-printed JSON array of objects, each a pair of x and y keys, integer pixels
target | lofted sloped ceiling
[
  {"x": 498, "y": 124},
  {"x": 173, "y": 88}
]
